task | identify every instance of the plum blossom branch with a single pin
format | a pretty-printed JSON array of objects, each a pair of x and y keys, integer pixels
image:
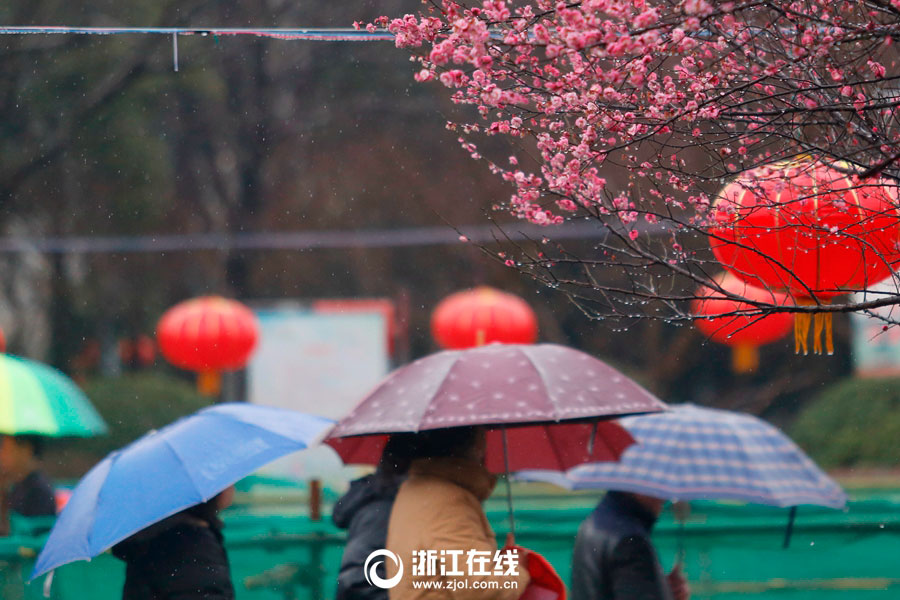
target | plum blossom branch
[{"x": 636, "y": 113}]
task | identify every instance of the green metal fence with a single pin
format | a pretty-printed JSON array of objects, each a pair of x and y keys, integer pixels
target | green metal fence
[{"x": 730, "y": 550}]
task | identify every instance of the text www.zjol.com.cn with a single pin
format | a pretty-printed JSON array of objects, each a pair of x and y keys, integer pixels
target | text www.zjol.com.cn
[{"x": 465, "y": 584}]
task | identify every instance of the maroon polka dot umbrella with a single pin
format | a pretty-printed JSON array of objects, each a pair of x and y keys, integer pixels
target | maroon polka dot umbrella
[{"x": 548, "y": 402}]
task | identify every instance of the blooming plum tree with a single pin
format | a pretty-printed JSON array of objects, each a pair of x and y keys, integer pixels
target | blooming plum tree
[{"x": 636, "y": 113}]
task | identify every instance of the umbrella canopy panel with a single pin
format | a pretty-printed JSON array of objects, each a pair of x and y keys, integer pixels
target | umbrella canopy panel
[
  {"x": 38, "y": 399},
  {"x": 691, "y": 452},
  {"x": 497, "y": 384}
]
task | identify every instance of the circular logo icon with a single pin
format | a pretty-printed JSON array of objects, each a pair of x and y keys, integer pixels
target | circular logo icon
[{"x": 374, "y": 578}]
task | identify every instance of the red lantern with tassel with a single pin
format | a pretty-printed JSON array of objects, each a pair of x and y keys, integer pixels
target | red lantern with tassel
[
  {"x": 208, "y": 335},
  {"x": 809, "y": 230},
  {"x": 744, "y": 333},
  {"x": 481, "y": 316}
]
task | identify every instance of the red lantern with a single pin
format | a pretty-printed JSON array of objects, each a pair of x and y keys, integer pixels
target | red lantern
[
  {"x": 744, "y": 333},
  {"x": 808, "y": 230},
  {"x": 481, "y": 316},
  {"x": 208, "y": 335}
]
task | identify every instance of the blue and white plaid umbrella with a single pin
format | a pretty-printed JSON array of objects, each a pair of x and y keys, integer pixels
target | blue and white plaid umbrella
[{"x": 690, "y": 452}]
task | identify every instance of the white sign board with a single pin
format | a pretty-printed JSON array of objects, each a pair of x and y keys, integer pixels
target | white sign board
[
  {"x": 876, "y": 350},
  {"x": 320, "y": 363}
]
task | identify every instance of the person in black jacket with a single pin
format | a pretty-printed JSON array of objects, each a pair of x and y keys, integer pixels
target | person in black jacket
[
  {"x": 614, "y": 558},
  {"x": 179, "y": 558},
  {"x": 364, "y": 511},
  {"x": 30, "y": 492}
]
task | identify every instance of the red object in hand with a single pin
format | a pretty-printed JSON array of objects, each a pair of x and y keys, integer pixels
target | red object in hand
[
  {"x": 807, "y": 229},
  {"x": 208, "y": 334},
  {"x": 481, "y": 316},
  {"x": 678, "y": 583},
  {"x": 545, "y": 584}
]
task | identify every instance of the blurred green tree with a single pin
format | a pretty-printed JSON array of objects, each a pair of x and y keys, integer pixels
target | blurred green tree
[
  {"x": 131, "y": 405},
  {"x": 853, "y": 423}
]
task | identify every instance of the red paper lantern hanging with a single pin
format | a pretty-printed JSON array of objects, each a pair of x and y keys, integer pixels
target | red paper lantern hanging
[
  {"x": 481, "y": 316},
  {"x": 744, "y": 333},
  {"x": 208, "y": 335},
  {"x": 810, "y": 231}
]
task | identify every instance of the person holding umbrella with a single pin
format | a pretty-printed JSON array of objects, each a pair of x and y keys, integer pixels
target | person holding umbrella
[
  {"x": 29, "y": 492},
  {"x": 37, "y": 402},
  {"x": 438, "y": 514},
  {"x": 155, "y": 502},
  {"x": 180, "y": 558},
  {"x": 531, "y": 406},
  {"x": 614, "y": 558},
  {"x": 688, "y": 452},
  {"x": 364, "y": 512}
]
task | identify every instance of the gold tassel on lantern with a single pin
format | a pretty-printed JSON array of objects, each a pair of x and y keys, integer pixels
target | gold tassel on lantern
[
  {"x": 801, "y": 328},
  {"x": 822, "y": 322},
  {"x": 744, "y": 358},
  {"x": 209, "y": 383}
]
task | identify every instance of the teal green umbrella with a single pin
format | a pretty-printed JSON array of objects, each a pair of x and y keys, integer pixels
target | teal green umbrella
[{"x": 37, "y": 399}]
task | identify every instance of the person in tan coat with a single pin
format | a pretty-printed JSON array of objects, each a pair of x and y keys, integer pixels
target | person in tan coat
[{"x": 439, "y": 530}]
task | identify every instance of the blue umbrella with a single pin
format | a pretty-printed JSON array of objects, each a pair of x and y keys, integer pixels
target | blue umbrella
[
  {"x": 690, "y": 452},
  {"x": 166, "y": 471}
]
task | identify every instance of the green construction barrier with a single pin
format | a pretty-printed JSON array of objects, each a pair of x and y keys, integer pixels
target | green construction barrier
[{"x": 730, "y": 550}]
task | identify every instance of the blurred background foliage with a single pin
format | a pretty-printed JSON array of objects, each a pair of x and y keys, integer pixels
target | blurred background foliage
[
  {"x": 161, "y": 398},
  {"x": 99, "y": 136},
  {"x": 853, "y": 423},
  {"x": 131, "y": 404}
]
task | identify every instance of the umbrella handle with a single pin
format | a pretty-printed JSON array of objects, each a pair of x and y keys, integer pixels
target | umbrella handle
[
  {"x": 48, "y": 583},
  {"x": 4, "y": 510},
  {"x": 790, "y": 527},
  {"x": 680, "y": 510},
  {"x": 592, "y": 439},
  {"x": 509, "y": 504}
]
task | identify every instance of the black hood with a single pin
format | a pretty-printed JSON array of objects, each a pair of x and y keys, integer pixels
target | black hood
[{"x": 363, "y": 491}]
